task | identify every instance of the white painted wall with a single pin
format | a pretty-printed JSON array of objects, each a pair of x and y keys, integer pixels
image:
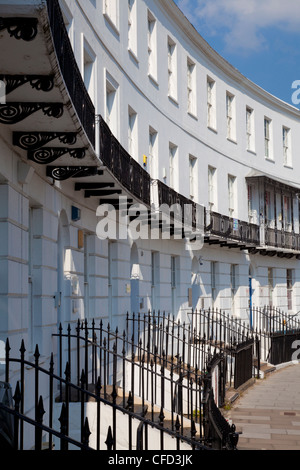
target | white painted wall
[{"x": 173, "y": 124}]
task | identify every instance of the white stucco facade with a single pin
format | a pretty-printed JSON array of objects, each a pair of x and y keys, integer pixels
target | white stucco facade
[{"x": 55, "y": 269}]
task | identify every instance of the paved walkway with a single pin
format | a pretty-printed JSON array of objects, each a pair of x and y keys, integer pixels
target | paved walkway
[{"x": 268, "y": 413}]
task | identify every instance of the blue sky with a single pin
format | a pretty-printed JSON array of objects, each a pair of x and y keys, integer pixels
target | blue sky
[{"x": 261, "y": 38}]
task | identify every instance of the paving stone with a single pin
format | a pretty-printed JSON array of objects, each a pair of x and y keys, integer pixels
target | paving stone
[{"x": 267, "y": 412}]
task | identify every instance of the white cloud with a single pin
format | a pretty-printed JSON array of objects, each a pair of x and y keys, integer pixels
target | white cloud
[{"x": 242, "y": 22}]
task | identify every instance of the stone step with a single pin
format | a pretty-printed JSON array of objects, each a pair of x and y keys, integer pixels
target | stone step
[
  {"x": 185, "y": 425},
  {"x": 265, "y": 367}
]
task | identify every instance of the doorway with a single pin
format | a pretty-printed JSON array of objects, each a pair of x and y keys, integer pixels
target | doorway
[
  {"x": 63, "y": 244},
  {"x": 196, "y": 291},
  {"x": 251, "y": 296},
  {"x": 134, "y": 280}
]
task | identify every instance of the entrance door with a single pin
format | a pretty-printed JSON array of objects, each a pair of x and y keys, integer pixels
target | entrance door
[
  {"x": 63, "y": 301},
  {"x": 134, "y": 280},
  {"x": 233, "y": 278},
  {"x": 250, "y": 300},
  {"x": 289, "y": 286},
  {"x": 196, "y": 291},
  {"x": 63, "y": 243}
]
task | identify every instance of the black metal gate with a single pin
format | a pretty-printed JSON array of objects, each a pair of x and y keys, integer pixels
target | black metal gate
[{"x": 283, "y": 347}]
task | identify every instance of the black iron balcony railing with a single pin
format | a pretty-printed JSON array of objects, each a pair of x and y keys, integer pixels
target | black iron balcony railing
[
  {"x": 282, "y": 239},
  {"x": 127, "y": 170},
  {"x": 188, "y": 209},
  {"x": 234, "y": 229},
  {"x": 70, "y": 72}
]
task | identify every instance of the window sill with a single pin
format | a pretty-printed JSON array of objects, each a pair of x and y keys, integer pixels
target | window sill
[
  {"x": 268, "y": 159},
  {"x": 153, "y": 80},
  {"x": 233, "y": 141},
  {"x": 133, "y": 55},
  {"x": 111, "y": 23},
  {"x": 288, "y": 166},
  {"x": 213, "y": 129},
  {"x": 251, "y": 151},
  {"x": 192, "y": 115},
  {"x": 173, "y": 100}
]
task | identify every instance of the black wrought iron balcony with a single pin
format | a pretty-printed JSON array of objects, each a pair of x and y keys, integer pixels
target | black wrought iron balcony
[
  {"x": 187, "y": 210},
  {"x": 128, "y": 171},
  {"x": 70, "y": 72},
  {"x": 282, "y": 239},
  {"x": 232, "y": 229}
]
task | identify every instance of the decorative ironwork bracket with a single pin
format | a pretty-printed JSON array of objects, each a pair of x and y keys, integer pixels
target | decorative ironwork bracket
[
  {"x": 20, "y": 28},
  {"x": 47, "y": 155},
  {"x": 36, "y": 140},
  {"x": 62, "y": 173},
  {"x": 38, "y": 82},
  {"x": 12, "y": 113}
]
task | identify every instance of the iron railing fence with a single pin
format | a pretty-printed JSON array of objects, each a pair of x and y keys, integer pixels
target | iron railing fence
[
  {"x": 244, "y": 354},
  {"x": 271, "y": 324},
  {"x": 185, "y": 345},
  {"x": 274, "y": 320},
  {"x": 154, "y": 372},
  {"x": 228, "y": 333},
  {"x": 284, "y": 347},
  {"x": 145, "y": 371},
  {"x": 218, "y": 431},
  {"x": 262, "y": 324},
  {"x": 62, "y": 389}
]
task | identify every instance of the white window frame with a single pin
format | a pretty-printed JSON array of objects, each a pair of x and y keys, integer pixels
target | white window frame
[
  {"x": 230, "y": 116},
  {"x": 132, "y": 133},
  {"x": 211, "y": 188},
  {"x": 250, "y": 129},
  {"x": 153, "y": 142},
  {"x": 211, "y": 103},
  {"x": 111, "y": 13},
  {"x": 68, "y": 20},
  {"x": 111, "y": 104},
  {"x": 173, "y": 165},
  {"x": 193, "y": 176},
  {"x": 267, "y": 138},
  {"x": 132, "y": 27},
  {"x": 191, "y": 87},
  {"x": 286, "y": 144},
  {"x": 152, "y": 53},
  {"x": 231, "y": 195},
  {"x": 172, "y": 69},
  {"x": 89, "y": 69}
]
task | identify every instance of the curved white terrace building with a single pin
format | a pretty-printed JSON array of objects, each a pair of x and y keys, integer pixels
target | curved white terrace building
[{"x": 162, "y": 118}]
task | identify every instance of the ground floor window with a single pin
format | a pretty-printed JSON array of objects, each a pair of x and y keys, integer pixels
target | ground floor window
[
  {"x": 289, "y": 285},
  {"x": 270, "y": 286}
]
